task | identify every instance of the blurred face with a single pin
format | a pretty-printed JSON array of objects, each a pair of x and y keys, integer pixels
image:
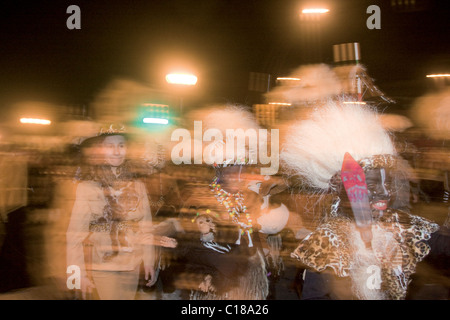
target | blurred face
[
  {"x": 115, "y": 150},
  {"x": 205, "y": 224},
  {"x": 379, "y": 187}
]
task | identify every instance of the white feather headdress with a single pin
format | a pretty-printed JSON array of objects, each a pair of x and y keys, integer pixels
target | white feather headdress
[{"x": 314, "y": 149}]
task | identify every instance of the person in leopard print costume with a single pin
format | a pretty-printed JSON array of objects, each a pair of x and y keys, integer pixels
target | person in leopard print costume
[{"x": 367, "y": 245}]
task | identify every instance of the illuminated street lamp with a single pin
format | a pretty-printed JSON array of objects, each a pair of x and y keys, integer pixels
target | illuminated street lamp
[
  {"x": 45, "y": 122},
  {"x": 315, "y": 11},
  {"x": 439, "y": 80},
  {"x": 181, "y": 78},
  {"x": 311, "y": 25},
  {"x": 439, "y": 75},
  {"x": 288, "y": 79}
]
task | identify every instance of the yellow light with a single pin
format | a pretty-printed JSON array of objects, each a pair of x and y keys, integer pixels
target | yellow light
[
  {"x": 35, "y": 121},
  {"x": 315, "y": 10},
  {"x": 287, "y": 78},
  {"x": 181, "y": 78},
  {"x": 438, "y": 75},
  {"x": 280, "y": 103}
]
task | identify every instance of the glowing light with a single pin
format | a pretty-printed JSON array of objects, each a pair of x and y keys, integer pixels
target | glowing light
[
  {"x": 35, "y": 121},
  {"x": 155, "y": 120},
  {"x": 181, "y": 78},
  {"x": 287, "y": 78},
  {"x": 280, "y": 103},
  {"x": 315, "y": 10},
  {"x": 438, "y": 75},
  {"x": 354, "y": 102}
]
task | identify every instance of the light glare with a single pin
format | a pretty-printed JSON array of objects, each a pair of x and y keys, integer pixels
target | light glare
[
  {"x": 438, "y": 75},
  {"x": 315, "y": 10},
  {"x": 287, "y": 78},
  {"x": 180, "y": 78},
  {"x": 155, "y": 120},
  {"x": 280, "y": 103},
  {"x": 35, "y": 121}
]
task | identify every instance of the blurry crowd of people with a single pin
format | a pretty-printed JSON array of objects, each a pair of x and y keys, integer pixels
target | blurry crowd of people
[{"x": 349, "y": 215}]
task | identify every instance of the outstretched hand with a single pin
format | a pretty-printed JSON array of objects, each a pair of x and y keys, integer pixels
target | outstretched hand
[{"x": 162, "y": 241}]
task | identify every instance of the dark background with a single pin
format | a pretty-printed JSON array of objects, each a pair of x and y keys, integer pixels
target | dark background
[{"x": 220, "y": 40}]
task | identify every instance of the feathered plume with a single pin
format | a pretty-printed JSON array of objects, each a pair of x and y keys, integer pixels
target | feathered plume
[{"x": 314, "y": 149}]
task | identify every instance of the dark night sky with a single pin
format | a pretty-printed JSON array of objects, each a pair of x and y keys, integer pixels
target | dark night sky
[{"x": 223, "y": 40}]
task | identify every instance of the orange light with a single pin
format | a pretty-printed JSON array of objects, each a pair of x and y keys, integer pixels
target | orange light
[
  {"x": 181, "y": 78},
  {"x": 442, "y": 75},
  {"x": 315, "y": 10},
  {"x": 280, "y": 103},
  {"x": 287, "y": 78},
  {"x": 35, "y": 121}
]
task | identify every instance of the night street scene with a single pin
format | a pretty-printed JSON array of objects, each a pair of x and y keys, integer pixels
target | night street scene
[{"x": 250, "y": 151}]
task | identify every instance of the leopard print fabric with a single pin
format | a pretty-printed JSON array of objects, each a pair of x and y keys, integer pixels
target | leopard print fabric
[
  {"x": 329, "y": 246},
  {"x": 326, "y": 247}
]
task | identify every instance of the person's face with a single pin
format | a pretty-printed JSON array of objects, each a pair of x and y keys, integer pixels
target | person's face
[
  {"x": 380, "y": 188},
  {"x": 115, "y": 150},
  {"x": 205, "y": 224}
]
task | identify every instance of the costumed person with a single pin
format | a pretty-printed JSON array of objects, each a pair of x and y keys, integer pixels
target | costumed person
[
  {"x": 233, "y": 166},
  {"x": 213, "y": 264},
  {"x": 365, "y": 246},
  {"x": 109, "y": 231},
  {"x": 276, "y": 224},
  {"x": 431, "y": 113}
]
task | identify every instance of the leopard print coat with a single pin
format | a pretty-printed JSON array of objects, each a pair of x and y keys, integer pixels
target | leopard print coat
[{"x": 331, "y": 246}]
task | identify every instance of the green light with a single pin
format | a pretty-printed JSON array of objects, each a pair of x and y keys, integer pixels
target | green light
[
  {"x": 155, "y": 120},
  {"x": 153, "y": 115}
]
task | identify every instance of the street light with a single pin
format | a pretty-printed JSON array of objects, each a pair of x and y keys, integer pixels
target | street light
[
  {"x": 439, "y": 80},
  {"x": 310, "y": 18},
  {"x": 315, "y": 10},
  {"x": 439, "y": 75},
  {"x": 181, "y": 78},
  {"x": 35, "y": 121}
]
